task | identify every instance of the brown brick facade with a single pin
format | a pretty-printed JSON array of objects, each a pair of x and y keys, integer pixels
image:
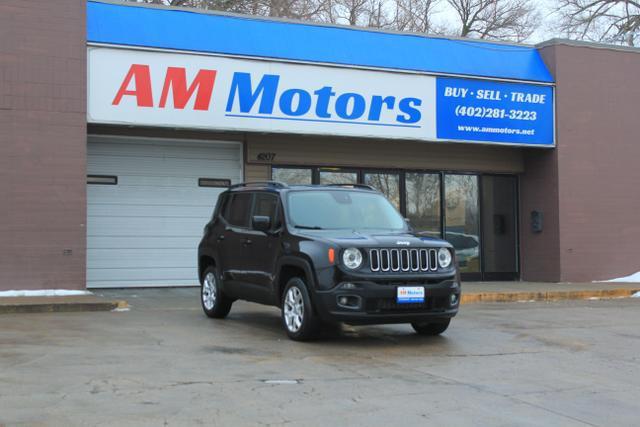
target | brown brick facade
[
  {"x": 589, "y": 187},
  {"x": 42, "y": 144}
]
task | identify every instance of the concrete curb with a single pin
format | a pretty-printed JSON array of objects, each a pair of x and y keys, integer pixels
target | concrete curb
[
  {"x": 50, "y": 305},
  {"x": 471, "y": 297}
]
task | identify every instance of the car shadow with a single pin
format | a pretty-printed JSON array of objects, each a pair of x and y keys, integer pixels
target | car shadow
[{"x": 269, "y": 324}]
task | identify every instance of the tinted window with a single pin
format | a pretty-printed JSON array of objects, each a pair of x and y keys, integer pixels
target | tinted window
[
  {"x": 266, "y": 205},
  {"x": 238, "y": 210},
  {"x": 222, "y": 204}
]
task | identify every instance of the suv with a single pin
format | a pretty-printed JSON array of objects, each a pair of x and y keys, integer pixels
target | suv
[{"x": 324, "y": 254}]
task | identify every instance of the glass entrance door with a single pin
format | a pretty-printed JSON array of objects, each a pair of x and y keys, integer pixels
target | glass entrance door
[
  {"x": 462, "y": 222},
  {"x": 499, "y": 227}
]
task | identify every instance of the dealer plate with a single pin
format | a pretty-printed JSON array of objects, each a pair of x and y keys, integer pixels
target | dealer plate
[{"x": 410, "y": 294}]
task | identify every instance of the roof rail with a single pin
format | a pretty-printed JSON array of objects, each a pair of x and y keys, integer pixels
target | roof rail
[
  {"x": 276, "y": 184},
  {"x": 362, "y": 186}
]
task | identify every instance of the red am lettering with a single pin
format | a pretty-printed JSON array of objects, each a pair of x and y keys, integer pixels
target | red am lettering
[{"x": 137, "y": 83}]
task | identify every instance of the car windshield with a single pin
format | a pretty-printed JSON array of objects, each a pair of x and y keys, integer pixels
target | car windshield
[{"x": 340, "y": 209}]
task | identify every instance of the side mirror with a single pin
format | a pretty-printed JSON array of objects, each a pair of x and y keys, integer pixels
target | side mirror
[{"x": 261, "y": 223}]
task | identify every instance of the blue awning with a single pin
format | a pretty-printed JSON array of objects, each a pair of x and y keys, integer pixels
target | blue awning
[{"x": 134, "y": 25}]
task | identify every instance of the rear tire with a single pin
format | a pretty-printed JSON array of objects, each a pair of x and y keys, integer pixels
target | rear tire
[
  {"x": 298, "y": 316},
  {"x": 431, "y": 328},
  {"x": 215, "y": 304}
]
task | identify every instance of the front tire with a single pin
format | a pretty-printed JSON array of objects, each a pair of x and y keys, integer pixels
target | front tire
[
  {"x": 298, "y": 316},
  {"x": 431, "y": 328},
  {"x": 214, "y": 303}
]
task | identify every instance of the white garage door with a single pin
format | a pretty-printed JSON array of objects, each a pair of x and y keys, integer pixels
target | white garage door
[{"x": 144, "y": 230}]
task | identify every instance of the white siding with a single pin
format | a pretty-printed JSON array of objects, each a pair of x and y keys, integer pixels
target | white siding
[{"x": 145, "y": 230}]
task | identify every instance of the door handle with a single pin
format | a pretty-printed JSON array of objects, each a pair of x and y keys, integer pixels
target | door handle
[
  {"x": 247, "y": 241},
  {"x": 220, "y": 237}
]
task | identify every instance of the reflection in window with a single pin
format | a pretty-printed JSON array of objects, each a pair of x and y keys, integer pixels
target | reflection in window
[
  {"x": 423, "y": 203},
  {"x": 462, "y": 220},
  {"x": 387, "y": 183},
  {"x": 347, "y": 210},
  {"x": 337, "y": 177},
  {"x": 293, "y": 176}
]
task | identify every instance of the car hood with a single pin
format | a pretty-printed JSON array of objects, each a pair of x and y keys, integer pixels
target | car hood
[{"x": 371, "y": 238}]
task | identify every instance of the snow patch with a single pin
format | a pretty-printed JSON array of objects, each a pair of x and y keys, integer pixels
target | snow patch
[
  {"x": 633, "y": 278},
  {"x": 44, "y": 293},
  {"x": 636, "y": 295}
]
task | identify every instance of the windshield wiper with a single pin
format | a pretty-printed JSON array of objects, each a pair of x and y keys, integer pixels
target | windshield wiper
[{"x": 308, "y": 227}]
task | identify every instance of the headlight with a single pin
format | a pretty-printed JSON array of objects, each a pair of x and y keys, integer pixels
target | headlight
[
  {"x": 444, "y": 257},
  {"x": 352, "y": 258}
]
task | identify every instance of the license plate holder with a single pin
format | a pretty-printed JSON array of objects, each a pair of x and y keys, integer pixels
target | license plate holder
[{"x": 410, "y": 295}]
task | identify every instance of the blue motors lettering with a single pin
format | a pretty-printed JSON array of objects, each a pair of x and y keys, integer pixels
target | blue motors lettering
[{"x": 322, "y": 105}]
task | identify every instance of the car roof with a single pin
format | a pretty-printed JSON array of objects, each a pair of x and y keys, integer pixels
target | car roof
[{"x": 275, "y": 186}]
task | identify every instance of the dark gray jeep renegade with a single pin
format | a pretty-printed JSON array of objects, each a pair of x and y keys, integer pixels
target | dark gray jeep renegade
[{"x": 324, "y": 254}]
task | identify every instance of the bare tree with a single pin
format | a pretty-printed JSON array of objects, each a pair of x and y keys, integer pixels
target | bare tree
[
  {"x": 616, "y": 21},
  {"x": 512, "y": 20},
  {"x": 416, "y": 16},
  {"x": 296, "y": 9},
  {"x": 487, "y": 19}
]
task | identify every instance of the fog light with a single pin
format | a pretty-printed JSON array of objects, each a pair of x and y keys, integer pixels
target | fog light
[
  {"x": 453, "y": 299},
  {"x": 349, "y": 301}
]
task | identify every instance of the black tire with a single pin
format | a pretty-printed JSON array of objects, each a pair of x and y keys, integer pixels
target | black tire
[
  {"x": 308, "y": 327},
  {"x": 432, "y": 328},
  {"x": 217, "y": 307}
]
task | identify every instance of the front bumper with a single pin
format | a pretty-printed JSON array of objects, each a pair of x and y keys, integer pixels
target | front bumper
[{"x": 375, "y": 303}]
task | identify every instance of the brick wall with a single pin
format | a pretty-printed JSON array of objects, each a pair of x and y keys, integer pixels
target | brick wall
[
  {"x": 598, "y": 162},
  {"x": 589, "y": 186},
  {"x": 42, "y": 144}
]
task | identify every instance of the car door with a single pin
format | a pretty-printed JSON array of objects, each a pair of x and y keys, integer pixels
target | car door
[
  {"x": 263, "y": 247},
  {"x": 232, "y": 243}
]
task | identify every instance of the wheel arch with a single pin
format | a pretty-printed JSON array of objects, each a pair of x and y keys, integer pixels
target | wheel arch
[
  {"x": 205, "y": 261},
  {"x": 290, "y": 267}
]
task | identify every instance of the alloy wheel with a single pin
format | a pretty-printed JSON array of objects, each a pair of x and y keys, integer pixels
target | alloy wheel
[
  {"x": 293, "y": 309},
  {"x": 209, "y": 291}
]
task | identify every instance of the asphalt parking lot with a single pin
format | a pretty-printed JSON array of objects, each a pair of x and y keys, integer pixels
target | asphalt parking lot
[{"x": 164, "y": 363}]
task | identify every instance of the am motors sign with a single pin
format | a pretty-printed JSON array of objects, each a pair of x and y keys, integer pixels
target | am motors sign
[{"x": 219, "y": 93}]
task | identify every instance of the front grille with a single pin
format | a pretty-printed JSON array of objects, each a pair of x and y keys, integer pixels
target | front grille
[{"x": 403, "y": 260}]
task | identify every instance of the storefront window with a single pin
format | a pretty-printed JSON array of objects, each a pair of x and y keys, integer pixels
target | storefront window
[
  {"x": 462, "y": 219},
  {"x": 423, "y": 203},
  {"x": 442, "y": 205},
  {"x": 293, "y": 176},
  {"x": 387, "y": 183},
  {"x": 338, "y": 177}
]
